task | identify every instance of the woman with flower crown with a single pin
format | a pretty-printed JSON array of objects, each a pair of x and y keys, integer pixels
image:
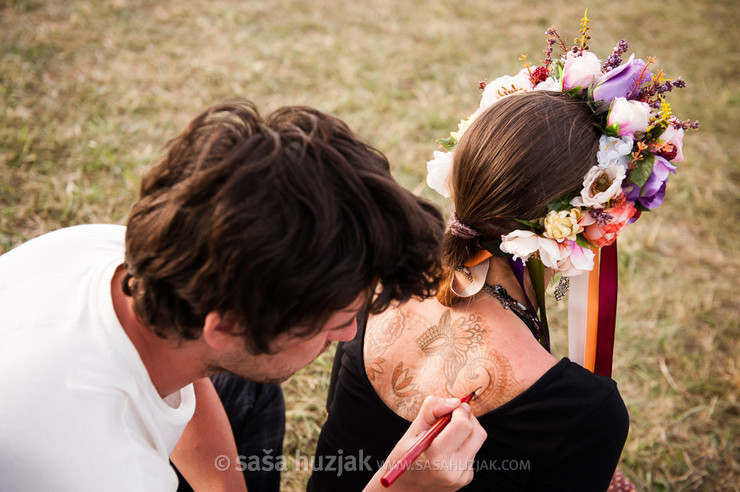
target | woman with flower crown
[{"x": 553, "y": 165}]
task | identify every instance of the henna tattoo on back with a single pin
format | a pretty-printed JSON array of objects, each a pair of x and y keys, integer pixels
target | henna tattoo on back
[
  {"x": 402, "y": 384},
  {"x": 454, "y": 342},
  {"x": 381, "y": 332},
  {"x": 459, "y": 345}
]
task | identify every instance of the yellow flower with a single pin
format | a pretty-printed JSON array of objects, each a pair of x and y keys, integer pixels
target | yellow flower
[
  {"x": 462, "y": 126},
  {"x": 563, "y": 225}
]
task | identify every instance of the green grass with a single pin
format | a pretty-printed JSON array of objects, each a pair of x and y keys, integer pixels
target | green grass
[{"x": 91, "y": 90}]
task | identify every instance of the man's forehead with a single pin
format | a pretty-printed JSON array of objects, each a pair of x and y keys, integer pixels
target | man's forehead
[
  {"x": 358, "y": 303},
  {"x": 331, "y": 320}
]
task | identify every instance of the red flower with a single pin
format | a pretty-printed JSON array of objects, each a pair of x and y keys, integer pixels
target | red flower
[{"x": 602, "y": 230}]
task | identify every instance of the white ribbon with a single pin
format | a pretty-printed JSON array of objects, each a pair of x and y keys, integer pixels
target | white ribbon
[
  {"x": 578, "y": 318},
  {"x": 478, "y": 272}
]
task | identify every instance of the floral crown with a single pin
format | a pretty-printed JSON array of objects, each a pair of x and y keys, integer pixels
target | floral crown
[{"x": 640, "y": 142}]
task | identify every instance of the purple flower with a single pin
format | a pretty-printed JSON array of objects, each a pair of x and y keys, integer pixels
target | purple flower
[
  {"x": 653, "y": 191},
  {"x": 622, "y": 81},
  {"x": 631, "y": 190}
]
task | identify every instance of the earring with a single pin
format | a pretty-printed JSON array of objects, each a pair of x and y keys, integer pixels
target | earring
[{"x": 562, "y": 288}]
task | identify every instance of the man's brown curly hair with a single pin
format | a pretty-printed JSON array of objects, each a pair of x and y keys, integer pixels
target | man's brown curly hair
[{"x": 276, "y": 222}]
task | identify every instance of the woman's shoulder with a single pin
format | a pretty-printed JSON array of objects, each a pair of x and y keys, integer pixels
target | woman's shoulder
[
  {"x": 571, "y": 380},
  {"x": 422, "y": 348},
  {"x": 570, "y": 394}
]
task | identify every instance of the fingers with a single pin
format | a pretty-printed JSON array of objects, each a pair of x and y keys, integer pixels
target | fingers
[
  {"x": 432, "y": 409},
  {"x": 454, "y": 449},
  {"x": 474, "y": 440},
  {"x": 446, "y": 463},
  {"x": 463, "y": 435}
]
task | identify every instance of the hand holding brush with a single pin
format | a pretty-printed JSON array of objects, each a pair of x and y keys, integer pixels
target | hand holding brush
[{"x": 451, "y": 436}]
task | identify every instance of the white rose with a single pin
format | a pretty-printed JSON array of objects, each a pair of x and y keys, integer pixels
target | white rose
[
  {"x": 614, "y": 151},
  {"x": 520, "y": 243},
  {"x": 600, "y": 186},
  {"x": 632, "y": 116},
  {"x": 579, "y": 71},
  {"x": 504, "y": 86},
  {"x": 439, "y": 170}
]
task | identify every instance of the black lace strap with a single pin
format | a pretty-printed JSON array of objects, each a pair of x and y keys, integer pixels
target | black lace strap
[
  {"x": 516, "y": 307},
  {"x": 508, "y": 302}
]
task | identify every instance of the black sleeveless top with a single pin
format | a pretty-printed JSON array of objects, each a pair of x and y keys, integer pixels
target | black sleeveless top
[{"x": 565, "y": 432}]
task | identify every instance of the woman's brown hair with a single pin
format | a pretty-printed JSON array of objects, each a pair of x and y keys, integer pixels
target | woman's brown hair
[
  {"x": 278, "y": 222},
  {"x": 519, "y": 155}
]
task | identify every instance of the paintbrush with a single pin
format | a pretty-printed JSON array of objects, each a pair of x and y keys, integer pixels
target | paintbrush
[{"x": 420, "y": 445}]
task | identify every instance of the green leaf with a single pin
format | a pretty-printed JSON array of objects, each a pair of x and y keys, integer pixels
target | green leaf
[
  {"x": 574, "y": 92},
  {"x": 582, "y": 241},
  {"x": 612, "y": 130},
  {"x": 528, "y": 223},
  {"x": 590, "y": 91},
  {"x": 563, "y": 203},
  {"x": 494, "y": 247},
  {"x": 599, "y": 107},
  {"x": 447, "y": 143},
  {"x": 656, "y": 131},
  {"x": 642, "y": 170},
  {"x": 642, "y": 208},
  {"x": 537, "y": 276},
  {"x": 559, "y": 65}
]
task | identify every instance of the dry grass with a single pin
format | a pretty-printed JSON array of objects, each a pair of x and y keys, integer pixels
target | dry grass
[{"x": 90, "y": 90}]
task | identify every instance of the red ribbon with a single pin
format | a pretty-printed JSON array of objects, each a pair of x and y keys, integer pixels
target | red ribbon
[{"x": 607, "y": 310}]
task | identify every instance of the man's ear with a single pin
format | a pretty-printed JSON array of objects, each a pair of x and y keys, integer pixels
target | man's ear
[{"x": 218, "y": 329}]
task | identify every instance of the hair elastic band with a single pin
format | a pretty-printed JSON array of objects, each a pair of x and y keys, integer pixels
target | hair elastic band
[{"x": 459, "y": 229}]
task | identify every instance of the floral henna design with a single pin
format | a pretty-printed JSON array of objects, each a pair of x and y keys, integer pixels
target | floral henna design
[
  {"x": 382, "y": 331},
  {"x": 408, "y": 407},
  {"x": 374, "y": 367},
  {"x": 467, "y": 361},
  {"x": 491, "y": 371},
  {"x": 453, "y": 341},
  {"x": 460, "y": 341},
  {"x": 402, "y": 384}
]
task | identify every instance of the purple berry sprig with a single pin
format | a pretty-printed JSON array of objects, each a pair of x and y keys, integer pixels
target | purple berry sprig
[{"x": 615, "y": 58}]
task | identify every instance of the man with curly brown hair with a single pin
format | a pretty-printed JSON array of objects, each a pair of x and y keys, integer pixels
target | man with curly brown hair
[{"x": 254, "y": 244}]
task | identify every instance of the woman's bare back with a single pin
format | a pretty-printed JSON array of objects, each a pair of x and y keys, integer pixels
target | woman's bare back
[{"x": 423, "y": 348}]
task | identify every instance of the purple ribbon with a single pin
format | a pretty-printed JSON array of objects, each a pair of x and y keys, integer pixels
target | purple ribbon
[
  {"x": 608, "y": 275},
  {"x": 517, "y": 267}
]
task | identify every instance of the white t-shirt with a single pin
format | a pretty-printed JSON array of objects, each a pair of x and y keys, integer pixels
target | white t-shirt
[{"x": 78, "y": 411}]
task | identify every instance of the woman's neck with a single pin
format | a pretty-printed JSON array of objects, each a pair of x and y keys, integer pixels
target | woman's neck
[{"x": 500, "y": 273}]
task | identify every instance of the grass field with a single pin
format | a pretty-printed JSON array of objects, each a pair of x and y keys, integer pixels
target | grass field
[{"x": 91, "y": 90}]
